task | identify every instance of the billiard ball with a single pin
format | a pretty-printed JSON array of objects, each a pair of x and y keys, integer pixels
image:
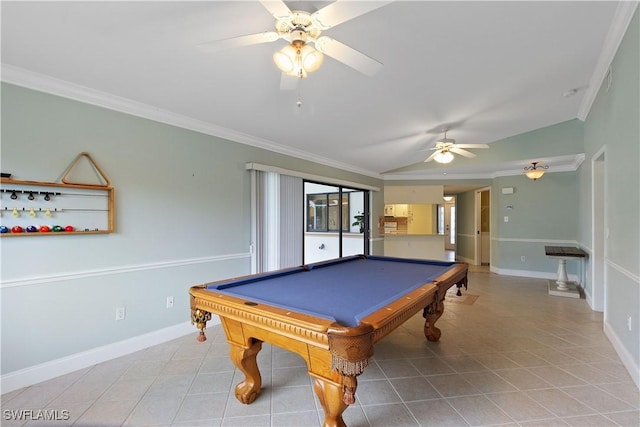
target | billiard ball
[
  {"x": 45, "y": 229},
  {"x": 31, "y": 229},
  {"x": 4, "y": 229},
  {"x": 16, "y": 229},
  {"x": 57, "y": 228},
  {"x": 68, "y": 228}
]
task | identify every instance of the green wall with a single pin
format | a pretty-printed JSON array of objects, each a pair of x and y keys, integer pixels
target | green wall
[
  {"x": 182, "y": 201},
  {"x": 613, "y": 128},
  {"x": 542, "y": 212}
]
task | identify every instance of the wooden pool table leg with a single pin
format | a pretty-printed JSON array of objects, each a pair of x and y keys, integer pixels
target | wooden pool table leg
[
  {"x": 431, "y": 314},
  {"x": 330, "y": 396},
  {"x": 244, "y": 358}
]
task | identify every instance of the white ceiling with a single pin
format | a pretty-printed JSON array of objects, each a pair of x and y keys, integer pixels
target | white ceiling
[{"x": 486, "y": 70}]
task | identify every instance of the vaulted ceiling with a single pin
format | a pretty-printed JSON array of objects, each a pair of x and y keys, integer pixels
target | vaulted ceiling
[{"x": 484, "y": 70}]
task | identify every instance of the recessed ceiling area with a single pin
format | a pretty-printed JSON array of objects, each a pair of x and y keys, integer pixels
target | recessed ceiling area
[{"x": 485, "y": 71}]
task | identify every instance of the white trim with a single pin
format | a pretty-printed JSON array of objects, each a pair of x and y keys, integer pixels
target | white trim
[
  {"x": 463, "y": 259},
  {"x": 531, "y": 274},
  {"x": 625, "y": 357},
  {"x": 255, "y": 238},
  {"x": 46, "y": 371},
  {"x": 623, "y": 270},
  {"x": 310, "y": 177},
  {"x": 46, "y": 84},
  {"x": 477, "y": 212},
  {"x": 585, "y": 248},
  {"x": 620, "y": 23},
  {"x": 519, "y": 240},
  {"x": 43, "y": 83},
  {"x": 458, "y": 235},
  {"x": 567, "y": 163},
  {"x": 587, "y": 297},
  {"x": 599, "y": 291},
  {"x": 117, "y": 270}
]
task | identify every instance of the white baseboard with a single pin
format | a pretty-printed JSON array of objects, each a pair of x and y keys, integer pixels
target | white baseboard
[
  {"x": 532, "y": 274},
  {"x": 463, "y": 259},
  {"x": 46, "y": 371},
  {"x": 623, "y": 353}
]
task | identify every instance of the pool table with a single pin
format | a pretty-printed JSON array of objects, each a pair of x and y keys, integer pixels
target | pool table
[{"x": 330, "y": 313}]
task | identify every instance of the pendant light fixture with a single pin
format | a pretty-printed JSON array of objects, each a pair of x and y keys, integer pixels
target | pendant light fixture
[{"x": 535, "y": 171}]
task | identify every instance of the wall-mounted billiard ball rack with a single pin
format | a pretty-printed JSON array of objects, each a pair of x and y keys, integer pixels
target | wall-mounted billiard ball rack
[{"x": 32, "y": 208}]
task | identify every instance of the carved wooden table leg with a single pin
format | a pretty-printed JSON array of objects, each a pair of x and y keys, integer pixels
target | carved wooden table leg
[
  {"x": 431, "y": 314},
  {"x": 245, "y": 360},
  {"x": 330, "y": 396}
]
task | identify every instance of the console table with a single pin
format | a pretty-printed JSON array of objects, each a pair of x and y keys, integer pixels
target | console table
[{"x": 562, "y": 286}]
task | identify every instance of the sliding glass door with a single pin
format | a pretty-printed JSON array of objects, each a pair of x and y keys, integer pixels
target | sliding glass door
[
  {"x": 335, "y": 222},
  {"x": 353, "y": 239}
]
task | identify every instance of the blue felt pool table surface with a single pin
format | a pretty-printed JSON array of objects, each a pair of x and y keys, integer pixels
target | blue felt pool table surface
[{"x": 344, "y": 290}]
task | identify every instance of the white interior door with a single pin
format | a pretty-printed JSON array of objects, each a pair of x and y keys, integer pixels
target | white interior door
[
  {"x": 450, "y": 226},
  {"x": 483, "y": 227}
]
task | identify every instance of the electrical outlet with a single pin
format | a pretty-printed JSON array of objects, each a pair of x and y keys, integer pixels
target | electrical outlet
[
  {"x": 169, "y": 302},
  {"x": 506, "y": 219},
  {"x": 120, "y": 313},
  {"x": 523, "y": 259}
]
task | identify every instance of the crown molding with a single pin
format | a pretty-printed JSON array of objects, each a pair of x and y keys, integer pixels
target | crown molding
[
  {"x": 620, "y": 23},
  {"x": 31, "y": 80},
  {"x": 568, "y": 163}
]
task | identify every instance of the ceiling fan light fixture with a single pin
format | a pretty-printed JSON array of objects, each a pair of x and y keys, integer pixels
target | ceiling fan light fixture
[
  {"x": 443, "y": 156},
  {"x": 311, "y": 59},
  {"x": 534, "y": 171},
  {"x": 285, "y": 59},
  {"x": 298, "y": 59}
]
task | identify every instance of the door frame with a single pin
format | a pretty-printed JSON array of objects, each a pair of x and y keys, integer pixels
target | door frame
[
  {"x": 599, "y": 231},
  {"x": 447, "y": 236},
  {"x": 477, "y": 259}
]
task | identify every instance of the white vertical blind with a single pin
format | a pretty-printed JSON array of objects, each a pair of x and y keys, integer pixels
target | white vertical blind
[
  {"x": 291, "y": 221},
  {"x": 277, "y": 221}
]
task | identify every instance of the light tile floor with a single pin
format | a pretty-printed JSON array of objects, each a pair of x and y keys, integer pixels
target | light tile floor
[{"x": 514, "y": 357}]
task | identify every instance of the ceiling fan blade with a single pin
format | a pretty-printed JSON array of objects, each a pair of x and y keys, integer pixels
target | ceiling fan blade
[
  {"x": 347, "y": 55},
  {"x": 462, "y": 152},
  {"x": 278, "y": 9},
  {"x": 233, "y": 42},
  {"x": 342, "y": 11},
  {"x": 431, "y": 149},
  {"x": 428, "y": 159},
  {"x": 472, "y": 145},
  {"x": 288, "y": 82}
]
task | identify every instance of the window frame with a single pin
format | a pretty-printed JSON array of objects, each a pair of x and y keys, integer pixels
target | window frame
[{"x": 330, "y": 210}]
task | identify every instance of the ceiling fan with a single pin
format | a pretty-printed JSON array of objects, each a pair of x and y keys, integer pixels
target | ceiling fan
[
  {"x": 301, "y": 29},
  {"x": 445, "y": 148}
]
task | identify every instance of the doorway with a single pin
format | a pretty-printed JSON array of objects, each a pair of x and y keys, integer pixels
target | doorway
[
  {"x": 483, "y": 226},
  {"x": 450, "y": 226},
  {"x": 598, "y": 218}
]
